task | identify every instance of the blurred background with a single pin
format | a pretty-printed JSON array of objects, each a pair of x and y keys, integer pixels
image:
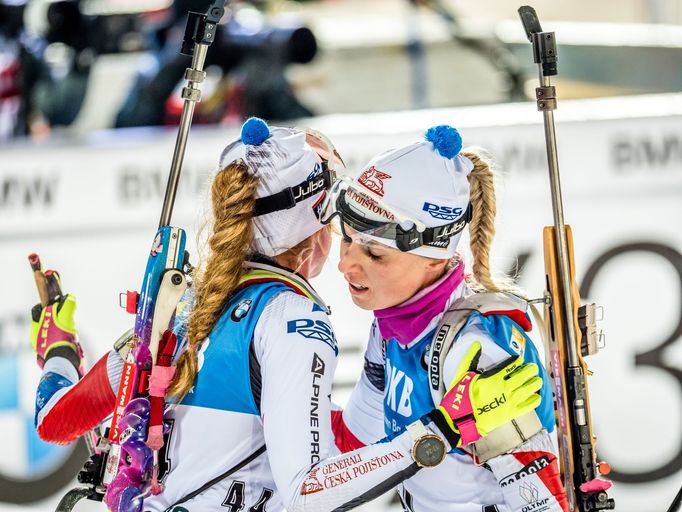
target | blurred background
[{"x": 89, "y": 103}]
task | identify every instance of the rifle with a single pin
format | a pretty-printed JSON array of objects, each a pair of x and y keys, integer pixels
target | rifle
[
  {"x": 126, "y": 458},
  {"x": 572, "y": 327}
]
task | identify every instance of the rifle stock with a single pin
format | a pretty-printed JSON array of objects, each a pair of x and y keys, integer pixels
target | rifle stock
[
  {"x": 556, "y": 337},
  {"x": 577, "y": 443}
]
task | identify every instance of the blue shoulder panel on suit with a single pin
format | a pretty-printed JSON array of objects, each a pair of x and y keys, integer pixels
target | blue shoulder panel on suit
[{"x": 224, "y": 378}]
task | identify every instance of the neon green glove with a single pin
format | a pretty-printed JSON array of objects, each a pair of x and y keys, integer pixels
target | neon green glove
[
  {"x": 53, "y": 332},
  {"x": 478, "y": 403}
]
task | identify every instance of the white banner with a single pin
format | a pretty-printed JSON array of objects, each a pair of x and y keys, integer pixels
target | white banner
[{"x": 90, "y": 209}]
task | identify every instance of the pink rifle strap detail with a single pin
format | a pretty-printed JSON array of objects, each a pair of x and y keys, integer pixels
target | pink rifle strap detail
[
  {"x": 596, "y": 485},
  {"x": 157, "y": 488},
  {"x": 468, "y": 431},
  {"x": 160, "y": 380}
]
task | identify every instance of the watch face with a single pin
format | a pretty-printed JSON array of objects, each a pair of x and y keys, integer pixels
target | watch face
[{"x": 429, "y": 451}]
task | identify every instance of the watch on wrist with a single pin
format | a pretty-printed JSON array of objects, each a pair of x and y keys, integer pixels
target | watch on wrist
[{"x": 428, "y": 450}]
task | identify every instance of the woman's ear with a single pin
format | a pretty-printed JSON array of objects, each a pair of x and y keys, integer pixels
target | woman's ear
[{"x": 436, "y": 267}]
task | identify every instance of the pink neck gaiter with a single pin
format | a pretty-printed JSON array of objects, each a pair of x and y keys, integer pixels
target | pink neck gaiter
[{"x": 409, "y": 319}]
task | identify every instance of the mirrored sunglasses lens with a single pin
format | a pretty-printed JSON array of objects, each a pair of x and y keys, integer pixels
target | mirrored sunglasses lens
[{"x": 323, "y": 147}]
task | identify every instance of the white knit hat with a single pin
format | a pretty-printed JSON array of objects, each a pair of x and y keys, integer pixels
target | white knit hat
[
  {"x": 426, "y": 181},
  {"x": 280, "y": 158}
]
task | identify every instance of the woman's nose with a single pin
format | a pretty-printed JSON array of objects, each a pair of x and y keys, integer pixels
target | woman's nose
[{"x": 348, "y": 256}]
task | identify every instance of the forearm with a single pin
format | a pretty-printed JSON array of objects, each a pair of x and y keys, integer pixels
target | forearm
[
  {"x": 67, "y": 408},
  {"x": 297, "y": 374},
  {"x": 346, "y": 481}
]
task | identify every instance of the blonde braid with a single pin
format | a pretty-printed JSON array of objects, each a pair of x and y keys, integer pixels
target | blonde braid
[
  {"x": 233, "y": 196},
  {"x": 482, "y": 225}
]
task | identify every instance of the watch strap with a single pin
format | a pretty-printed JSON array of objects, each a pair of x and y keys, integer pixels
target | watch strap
[{"x": 417, "y": 430}]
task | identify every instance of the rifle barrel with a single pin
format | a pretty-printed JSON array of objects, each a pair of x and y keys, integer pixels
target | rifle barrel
[
  {"x": 559, "y": 223},
  {"x": 191, "y": 95}
]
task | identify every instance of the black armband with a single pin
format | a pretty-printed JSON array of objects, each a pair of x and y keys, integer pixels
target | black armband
[
  {"x": 438, "y": 418},
  {"x": 67, "y": 353}
]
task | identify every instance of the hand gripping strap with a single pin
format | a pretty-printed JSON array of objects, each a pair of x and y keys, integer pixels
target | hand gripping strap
[
  {"x": 50, "y": 335},
  {"x": 509, "y": 436}
]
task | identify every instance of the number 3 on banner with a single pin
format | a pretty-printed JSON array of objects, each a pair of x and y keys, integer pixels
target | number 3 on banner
[{"x": 653, "y": 357}]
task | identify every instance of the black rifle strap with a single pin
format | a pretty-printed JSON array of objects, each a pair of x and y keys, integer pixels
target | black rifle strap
[{"x": 220, "y": 477}]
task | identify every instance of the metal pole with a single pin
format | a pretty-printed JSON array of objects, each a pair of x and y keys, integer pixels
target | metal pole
[
  {"x": 558, "y": 210},
  {"x": 191, "y": 94},
  {"x": 416, "y": 56}
]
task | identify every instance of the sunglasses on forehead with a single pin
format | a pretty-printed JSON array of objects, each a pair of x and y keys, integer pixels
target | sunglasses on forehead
[{"x": 324, "y": 148}]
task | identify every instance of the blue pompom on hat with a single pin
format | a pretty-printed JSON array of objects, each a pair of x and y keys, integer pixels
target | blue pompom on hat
[
  {"x": 445, "y": 139},
  {"x": 254, "y": 131}
]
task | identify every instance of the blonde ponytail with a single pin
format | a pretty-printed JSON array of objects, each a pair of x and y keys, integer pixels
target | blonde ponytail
[
  {"x": 233, "y": 197},
  {"x": 482, "y": 225}
]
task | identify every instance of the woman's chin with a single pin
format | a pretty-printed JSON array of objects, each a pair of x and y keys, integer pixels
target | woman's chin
[{"x": 361, "y": 302}]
